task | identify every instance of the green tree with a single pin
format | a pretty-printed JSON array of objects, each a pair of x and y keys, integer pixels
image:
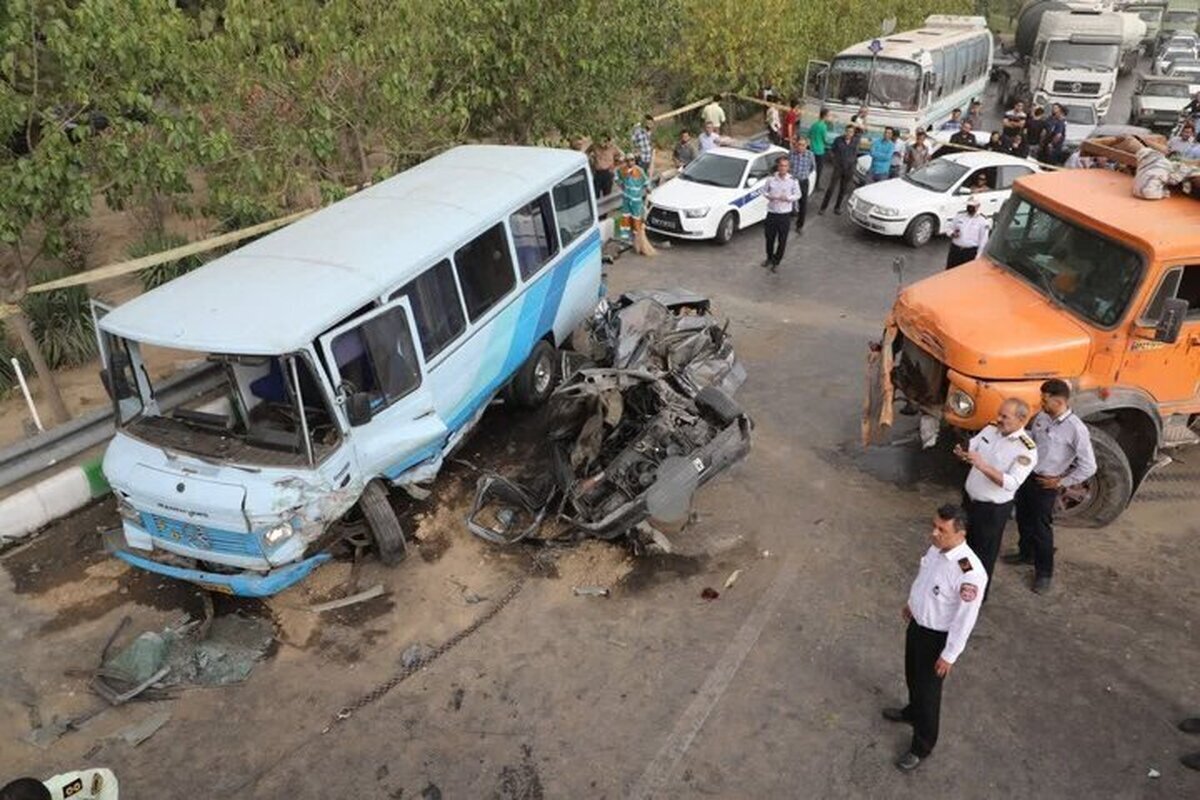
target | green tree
[{"x": 97, "y": 98}]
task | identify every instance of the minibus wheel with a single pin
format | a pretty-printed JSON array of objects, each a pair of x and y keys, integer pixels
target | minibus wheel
[
  {"x": 385, "y": 527},
  {"x": 535, "y": 380}
]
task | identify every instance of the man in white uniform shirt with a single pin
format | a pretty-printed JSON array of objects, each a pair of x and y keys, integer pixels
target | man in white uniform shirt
[
  {"x": 942, "y": 607},
  {"x": 1001, "y": 457},
  {"x": 782, "y": 191},
  {"x": 968, "y": 234}
]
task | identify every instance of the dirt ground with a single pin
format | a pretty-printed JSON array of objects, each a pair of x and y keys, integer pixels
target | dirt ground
[{"x": 771, "y": 690}]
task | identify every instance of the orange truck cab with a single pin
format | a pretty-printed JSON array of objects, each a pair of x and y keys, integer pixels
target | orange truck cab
[{"x": 1079, "y": 280}]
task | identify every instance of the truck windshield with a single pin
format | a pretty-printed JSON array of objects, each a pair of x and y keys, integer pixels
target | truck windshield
[
  {"x": 1093, "y": 276},
  {"x": 891, "y": 83},
  {"x": 1070, "y": 55},
  {"x": 252, "y": 410}
]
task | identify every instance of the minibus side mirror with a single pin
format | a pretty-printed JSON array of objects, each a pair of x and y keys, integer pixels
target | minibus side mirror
[
  {"x": 358, "y": 408},
  {"x": 1171, "y": 321}
]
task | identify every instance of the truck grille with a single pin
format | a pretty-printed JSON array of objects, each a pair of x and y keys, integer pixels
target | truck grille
[
  {"x": 918, "y": 375},
  {"x": 1081, "y": 88},
  {"x": 665, "y": 220},
  {"x": 199, "y": 537}
]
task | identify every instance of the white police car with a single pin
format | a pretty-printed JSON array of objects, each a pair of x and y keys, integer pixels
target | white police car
[{"x": 718, "y": 193}]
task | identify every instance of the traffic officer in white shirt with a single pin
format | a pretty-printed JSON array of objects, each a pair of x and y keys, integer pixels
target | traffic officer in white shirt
[
  {"x": 942, "y": 607},
  {"x": 1001, "y": 457},
  {"x": 782, "y": 192},
  {"x": 968, "y": 234},
  {"x": 1065, "y": 458}
]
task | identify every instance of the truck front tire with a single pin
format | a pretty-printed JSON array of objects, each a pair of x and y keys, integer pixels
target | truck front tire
[{"x": 1107, "y": 493}]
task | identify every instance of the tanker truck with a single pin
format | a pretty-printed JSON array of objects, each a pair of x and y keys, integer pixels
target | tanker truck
[
  {"x": 1151, "y": 13},
  {"x": 1067, "y": 55}
]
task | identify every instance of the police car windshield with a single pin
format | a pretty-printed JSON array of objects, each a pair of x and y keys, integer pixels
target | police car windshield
[
  {"x": 1092, "y": 276},
  {"x": 715, "y": 170},
  {"x": 937, "y": 176}
]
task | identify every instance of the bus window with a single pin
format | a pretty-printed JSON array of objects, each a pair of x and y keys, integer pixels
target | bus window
[
  {"x": 573, "y": 204},
  {"x": 939, "y": 71},
  {"x": 436, "y": 307},
  {"x": 485, "y": 270},
  {"x": 533, "y": 234},
  {"x": 892, "y": 83}
]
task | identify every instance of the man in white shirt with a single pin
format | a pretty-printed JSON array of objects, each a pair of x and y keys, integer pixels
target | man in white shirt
[
  {"x": 709, "y": 137},
  {"x": 713, "y": 113},
  {"x": 968, "y": 234},
  {"x": 942, "y": 607},
  {"x": 1001, "y": 457},
  {"x": 782, "y": 191}
]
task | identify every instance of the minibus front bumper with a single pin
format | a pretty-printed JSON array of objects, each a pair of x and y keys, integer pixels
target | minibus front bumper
[{"x": 242, "y": 584}]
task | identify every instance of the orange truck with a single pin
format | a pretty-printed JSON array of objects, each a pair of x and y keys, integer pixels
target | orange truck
[{"x": 1079, "y": 280}]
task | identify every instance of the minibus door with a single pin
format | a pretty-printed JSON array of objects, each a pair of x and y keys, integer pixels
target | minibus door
[{"x": 379, "y": 375}]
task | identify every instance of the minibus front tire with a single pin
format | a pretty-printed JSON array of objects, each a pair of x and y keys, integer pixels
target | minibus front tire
[
  {"x": 537, "y": 377},
  {"x": 383, "y": 524}
]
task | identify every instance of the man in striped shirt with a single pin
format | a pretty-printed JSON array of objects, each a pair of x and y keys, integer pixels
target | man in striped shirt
[{"x": 802, "y": 162}]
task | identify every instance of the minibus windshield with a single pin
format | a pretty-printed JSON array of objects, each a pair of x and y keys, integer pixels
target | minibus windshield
[{"x": 253, "y": 410}]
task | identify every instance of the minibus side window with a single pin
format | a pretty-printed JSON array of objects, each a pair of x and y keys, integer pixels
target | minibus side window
[
  {"x": 573, "y": 202},
  {"x": 378, "y": 357},
  {"x": 533, "y": 234},
  {"x": 485, "y": 270},
  {"x": 436, "y": 307}
]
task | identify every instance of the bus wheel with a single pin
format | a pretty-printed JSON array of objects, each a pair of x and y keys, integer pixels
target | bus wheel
[
  {"x": 726, "y": 228},
  {"x": 1101, "y": 498},
  {"x": 920, "y": 230},
  {"x": 536, "y": 378},
  {"x": 381, "y": 520}
]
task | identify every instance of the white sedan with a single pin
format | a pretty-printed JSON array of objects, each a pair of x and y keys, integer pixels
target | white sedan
[
  {"x": 715, "y": 195},
  {"x": 920, "y": 205}
]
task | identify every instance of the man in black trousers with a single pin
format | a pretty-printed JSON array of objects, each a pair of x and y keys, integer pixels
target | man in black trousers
[
  {"x": 942, "y": 607},
  {"x": 842, "y": 159}
]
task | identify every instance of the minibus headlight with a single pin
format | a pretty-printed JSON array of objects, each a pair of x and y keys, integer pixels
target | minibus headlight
[
  {"x": 696, "y": 213},
  {"x": 277, "y": 534},
  {"x": 961, "y": 403}
]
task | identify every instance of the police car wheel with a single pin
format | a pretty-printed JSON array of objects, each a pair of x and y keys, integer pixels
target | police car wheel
[
  {"x": 1100, "y": 499},
  {"x": 726, "y": 228},
  {"x": 920, "y": 231},
  {"x": 385, "y": 528}
]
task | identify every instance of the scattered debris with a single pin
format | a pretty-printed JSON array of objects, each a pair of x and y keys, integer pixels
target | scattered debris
[
  {"x": 1153, "y": 773},
  {"x": 133, "y": 735},
  {"x": 591, "y": 591},
  {"x": 361, "y": 597},
  {"x": 413, "y": 655},
  {"x": 506, "y": 502},
  {"x": 732, "y": 579},
  {"x": 766, "y": 554},
  {"x": 709, "y": 593},
  {"x": 456, "y": 699},
  {"x": 471, "y": 598}
]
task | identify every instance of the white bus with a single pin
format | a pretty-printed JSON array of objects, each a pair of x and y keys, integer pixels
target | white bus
[{"x": 908, "y": 80}]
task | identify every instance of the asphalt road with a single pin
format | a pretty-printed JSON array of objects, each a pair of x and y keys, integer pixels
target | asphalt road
[{"x": 772, "y": 690}]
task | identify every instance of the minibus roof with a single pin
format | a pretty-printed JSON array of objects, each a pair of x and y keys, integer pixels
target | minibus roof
[{"x": 277, "y": 294}]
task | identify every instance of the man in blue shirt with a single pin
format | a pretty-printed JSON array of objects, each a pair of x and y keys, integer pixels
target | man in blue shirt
[
  {"x": 954, "y": 123},
  {"x": 881, "y": 156}
]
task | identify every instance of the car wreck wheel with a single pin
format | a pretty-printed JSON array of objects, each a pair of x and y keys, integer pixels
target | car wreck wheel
[{"x": 385, "y": 528}]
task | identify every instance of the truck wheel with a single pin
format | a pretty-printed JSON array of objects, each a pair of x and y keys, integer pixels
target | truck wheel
[
  {"x": 381, "y": 520},
  {"x": 535, "y": 380},
  {"x": 920, "y": 230},
  {"x": 726, "y": 228},
  {"x": 1100, "y": 499}
]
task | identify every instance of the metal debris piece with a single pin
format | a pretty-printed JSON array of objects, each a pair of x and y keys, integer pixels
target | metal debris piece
[
  {"x": 135, "y": 734},
  {"x": 732, "y": 579},
  {"x": 591, "y": 591},
  {"x": 413, "y": 655},
  {"x": 507, "y": 502},
  {"x": 342, "y": 602}
]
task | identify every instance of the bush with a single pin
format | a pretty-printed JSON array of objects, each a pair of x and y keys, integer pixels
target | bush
[
  {"x": 61, "y": 322},
  {"x": 160, "y": 274}
]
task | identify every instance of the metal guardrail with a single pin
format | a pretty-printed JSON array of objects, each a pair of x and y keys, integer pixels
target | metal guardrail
[{"x": 62, "y": 442}]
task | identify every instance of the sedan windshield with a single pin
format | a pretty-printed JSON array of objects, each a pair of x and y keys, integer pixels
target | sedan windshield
[
  {"x": 1166, "y": 90},
  {"x": 1067, "y": 55},
  {"x": 1090, "y": 275},
  {"x": 937, "y": 176},
  {"x": 879, "y": 82},
  {"x": 715, "y": 170}
]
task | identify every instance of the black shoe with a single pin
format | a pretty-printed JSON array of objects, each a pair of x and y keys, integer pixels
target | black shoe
[
  {"x": 766, "y": 262},
  {"x": 1190, "y": 725},
  {"x": 774, "y": 266},
  {"x": 839, "y": 211},
  {"x": 1041, "y": 584},
  {"x": 1016, "y": 558},
  {"x": 908, "y": 762},
  {"x": 1191, "y": 761},
  {"x": 894, "y": 714},
  {"x": 820, "y": 211}
]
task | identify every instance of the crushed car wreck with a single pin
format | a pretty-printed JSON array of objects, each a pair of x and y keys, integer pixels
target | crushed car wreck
[{"x": 642, "y": 419}]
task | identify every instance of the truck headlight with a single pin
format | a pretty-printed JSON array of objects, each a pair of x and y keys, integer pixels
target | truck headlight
[
  {"x": 696, "y": 213},
  {"x": 279, "y": 533},
  {"x": 961, "y": 403}
]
